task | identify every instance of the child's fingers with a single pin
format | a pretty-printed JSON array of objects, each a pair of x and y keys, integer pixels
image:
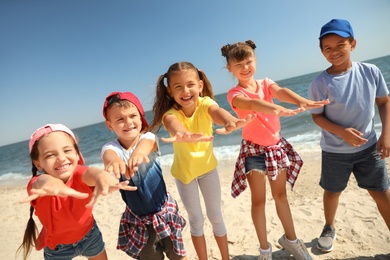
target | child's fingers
[
  {"x": 129, "y": 173},
  {"x": 168, "y": 139},
  {"x": 28, "y": 199},
  {"x": 124, "y": 185},
  {"x": 77, "y": 194},
  {"x": 92, "y": 201},
  {"x": 250, "y": 118},
  {"x": 128, "y": 188},
  {"x": 40, "y": 192},
  {"x": 221, "y": 131},
  {"x": 110, "y": 168}
]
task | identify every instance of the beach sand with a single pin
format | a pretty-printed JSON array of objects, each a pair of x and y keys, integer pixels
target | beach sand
[{"x": 361, "y": 231}]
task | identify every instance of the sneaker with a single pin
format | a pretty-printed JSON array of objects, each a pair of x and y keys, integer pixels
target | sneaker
[
  {"x": 266, "y": 256},
  {"x": 298, "y": 250},
  {"x": 325, "y": 241}
]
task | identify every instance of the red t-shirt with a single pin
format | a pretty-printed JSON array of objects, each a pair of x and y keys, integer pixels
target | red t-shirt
[{"x": 64, "y": 220}]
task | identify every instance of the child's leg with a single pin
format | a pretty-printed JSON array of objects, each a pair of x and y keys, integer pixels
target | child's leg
[
  {"x": 222, "y": 243},
  {"x": 289, "y": 240},
  {"x": 101, "y": 256},
  {"x": 331, "y": 202},
  {"x": 257, "y": 181},
  {"x": 371, "y": 174},
  {"x": 382, "y": 200},
  {"x": 189, "y": 194},
  {"x": 278, "y": 189},
  {"x": 199, "y": 243},
  {"x": 211, "y": 190}
]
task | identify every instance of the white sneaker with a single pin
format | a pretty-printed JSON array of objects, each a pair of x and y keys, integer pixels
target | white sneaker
[
  {"x": 266, "y": 256},
  {"x": 298, "y": 250}
]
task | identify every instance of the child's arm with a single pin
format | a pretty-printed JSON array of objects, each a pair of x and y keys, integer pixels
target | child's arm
[
  {"x": 262, "y": 106},
  {"x": 114, "y": 163},
  {"x": 140, "y": 155},
  {"x": 179, "y": 133},
  {"x": 104, "y": 183},
  {"x": 288, "y": 96},
  {"x": 383, "y": 145},
  {"x": 222, "y": 117},
  {"x": 47, "y": 185},
  {"x": 349, "y": 135}
]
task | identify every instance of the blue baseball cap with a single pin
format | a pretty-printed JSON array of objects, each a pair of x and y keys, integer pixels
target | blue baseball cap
[{"x": 338, "y": 26}]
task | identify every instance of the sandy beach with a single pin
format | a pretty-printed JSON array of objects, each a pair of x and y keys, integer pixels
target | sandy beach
[{"x": 361, "y": 232}]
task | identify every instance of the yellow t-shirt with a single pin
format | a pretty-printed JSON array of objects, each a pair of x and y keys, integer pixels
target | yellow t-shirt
[{"x": 191, "y": 160}]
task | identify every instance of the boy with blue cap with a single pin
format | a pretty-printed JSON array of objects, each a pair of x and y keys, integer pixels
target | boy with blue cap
[{"x": 349, "y": 142}]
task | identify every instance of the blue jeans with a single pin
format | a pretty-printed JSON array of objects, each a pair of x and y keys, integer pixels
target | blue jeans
[
  {"x": 89, "y": 246},
  {"x": 369, "y": 170},
  {"x": 255, "y": 163}
]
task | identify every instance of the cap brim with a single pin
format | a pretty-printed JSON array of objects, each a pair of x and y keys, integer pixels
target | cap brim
[{"x": 339, "y": 33}]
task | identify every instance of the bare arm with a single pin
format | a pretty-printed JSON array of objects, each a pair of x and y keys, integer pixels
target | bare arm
[
  {"x": 288, "y": 96},
  {"x": 230, "y": 123},
  {"x": 349, "y": 135},
  {"x": 383, "y": 146},
  {"x": 179, "y": 133},
  {"x": 104, "y": 183},
  {"x": 262, "y": 106},
  {"x": 140, "y": 155},
  {"x": 114, "y": 163},
  {"x": 47, "y": 185}
]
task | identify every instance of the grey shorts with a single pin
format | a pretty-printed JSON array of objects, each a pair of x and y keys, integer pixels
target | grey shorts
[{"x": 369, "y": 170}]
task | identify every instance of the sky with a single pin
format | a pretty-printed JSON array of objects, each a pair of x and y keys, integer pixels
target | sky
[{"x": 60, "y": 59}]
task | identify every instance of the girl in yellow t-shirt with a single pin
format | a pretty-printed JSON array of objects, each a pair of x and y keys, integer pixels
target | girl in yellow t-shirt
[{"x": 186, "y": 108}]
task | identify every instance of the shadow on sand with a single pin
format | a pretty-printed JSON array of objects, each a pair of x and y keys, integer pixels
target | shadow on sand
[{"x": 281, "y": 254}]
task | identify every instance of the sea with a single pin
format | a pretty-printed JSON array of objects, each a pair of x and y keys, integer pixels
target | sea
[{"x": 302, "y": 133}]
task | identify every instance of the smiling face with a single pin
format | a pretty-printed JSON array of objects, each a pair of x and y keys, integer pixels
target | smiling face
[
  {"x": 185, "y": 88},
  {"x": 125, "y": 121},
  {"x": 58, "y": 156},
  {"x": 337, "y": 50},
  {"x": 243, "y": 70}
]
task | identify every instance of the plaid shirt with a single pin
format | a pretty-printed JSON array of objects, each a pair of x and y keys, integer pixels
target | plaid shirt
[
  {"x": 168, "y": 222},
  {"x": 279, "y": 156}
]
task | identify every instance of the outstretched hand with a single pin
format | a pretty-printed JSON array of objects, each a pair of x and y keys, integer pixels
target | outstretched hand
[
  {"x": 282, "y": 111},
  {"x": 187, "y": 137},
  {"x": 310, "y": 104},
  {"x": 235, "y": 125},
  {"x": 55, "y": 189},
  {"x": 117, "y": 167},
  {"x": 135, "y": 160},
  {"x": 105, "y": 184}
]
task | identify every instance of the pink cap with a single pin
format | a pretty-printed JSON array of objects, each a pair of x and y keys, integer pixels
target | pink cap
[
  {"x": 131, "y": 98},
  {"x": 52, "y": 128}
]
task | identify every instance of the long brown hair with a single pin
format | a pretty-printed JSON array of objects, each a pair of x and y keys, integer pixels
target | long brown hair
[{"x": 163, "y": 101}]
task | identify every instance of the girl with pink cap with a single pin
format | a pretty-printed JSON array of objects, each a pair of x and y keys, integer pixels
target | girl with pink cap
[{"x": 62, "y": 192}]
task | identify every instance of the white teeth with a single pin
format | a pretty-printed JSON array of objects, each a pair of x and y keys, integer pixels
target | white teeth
[{"x": 63, "y": 167}]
